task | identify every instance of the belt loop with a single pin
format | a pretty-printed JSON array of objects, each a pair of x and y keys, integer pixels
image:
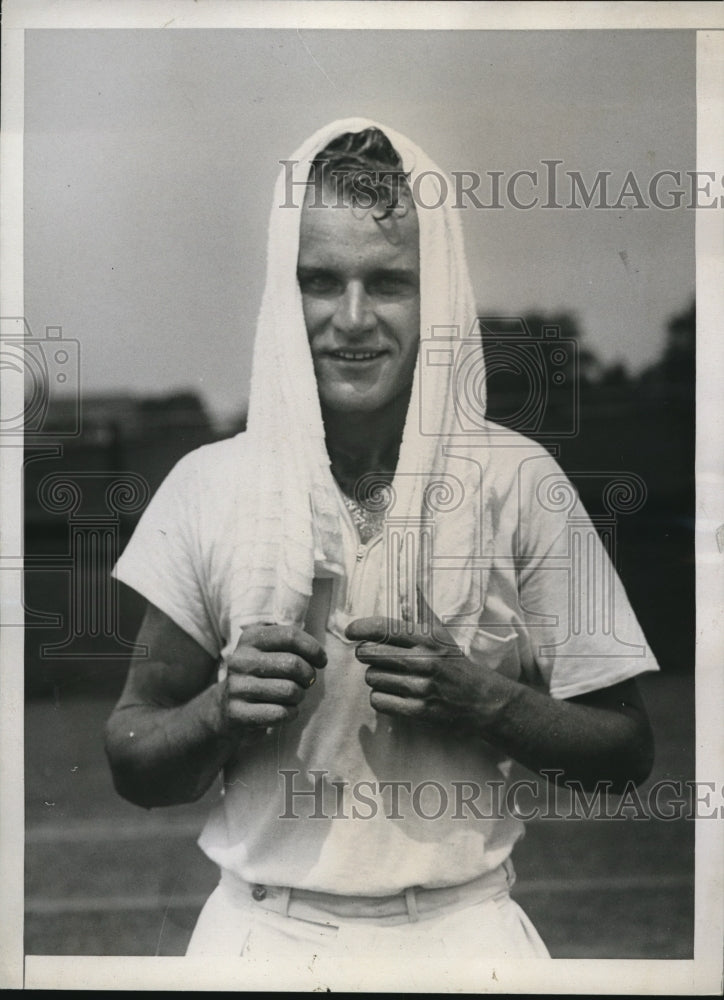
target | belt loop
[
  {"x": 411, "y": 901},
  {"x": 285, "y": 900}
]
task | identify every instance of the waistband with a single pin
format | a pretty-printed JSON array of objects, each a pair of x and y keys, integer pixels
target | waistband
[{"x": 414, "y": 903}]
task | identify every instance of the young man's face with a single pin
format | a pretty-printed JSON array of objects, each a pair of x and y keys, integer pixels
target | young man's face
[{"x": 360, "y": 284}]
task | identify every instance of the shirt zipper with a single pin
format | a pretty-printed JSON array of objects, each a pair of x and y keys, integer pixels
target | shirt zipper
[
  {"x": 360, "y": 559},
  {"x": 356, "y": 575}
]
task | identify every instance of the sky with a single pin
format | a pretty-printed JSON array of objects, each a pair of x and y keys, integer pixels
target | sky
[{"x": 150, "y": 159}]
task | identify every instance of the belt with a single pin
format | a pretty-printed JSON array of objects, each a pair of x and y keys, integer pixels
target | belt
[{"x": 414, "y": 903}]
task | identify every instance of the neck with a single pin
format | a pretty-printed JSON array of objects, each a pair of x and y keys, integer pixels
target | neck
[{"x": 363, "y": 443}]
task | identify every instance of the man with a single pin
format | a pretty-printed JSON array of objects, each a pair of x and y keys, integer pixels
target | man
[{"x": 360, "y": 609}]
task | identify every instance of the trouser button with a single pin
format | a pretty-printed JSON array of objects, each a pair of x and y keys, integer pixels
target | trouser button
[{"x": 259, "y": 893}]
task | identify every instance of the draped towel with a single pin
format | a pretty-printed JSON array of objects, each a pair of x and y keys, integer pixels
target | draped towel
[{"x": 439, "y": 480}]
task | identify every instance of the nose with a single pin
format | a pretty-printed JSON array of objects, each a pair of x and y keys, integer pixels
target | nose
[{"x": 354, "y": 313}]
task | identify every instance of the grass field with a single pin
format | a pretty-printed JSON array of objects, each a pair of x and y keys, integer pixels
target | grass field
[{"x": 106, "y": 878}]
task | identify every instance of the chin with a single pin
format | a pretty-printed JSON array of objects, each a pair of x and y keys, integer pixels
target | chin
[
  {"x": 340, "y": 400},
  {"x": 337, "y": 404}
]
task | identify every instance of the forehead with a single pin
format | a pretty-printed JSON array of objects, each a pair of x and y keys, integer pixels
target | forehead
[{"x": 348, "y": 236}]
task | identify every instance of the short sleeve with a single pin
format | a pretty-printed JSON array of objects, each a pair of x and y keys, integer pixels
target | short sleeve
[
  {"x": 163, "y": 560},
  {"x": 583, "y": 631}
]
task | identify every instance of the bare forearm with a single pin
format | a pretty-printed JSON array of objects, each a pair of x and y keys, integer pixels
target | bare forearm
[
  {"x": 167, "y": 755},
  {"x": 601, "y": 736},
  {"x": 587, "y": 744},
  {"x": 172, "y": 731}
]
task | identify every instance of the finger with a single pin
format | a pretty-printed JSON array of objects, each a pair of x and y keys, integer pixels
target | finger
[
  {"x": 284, "y": 665},
  {"x": 402, "y": 685},
  {"x": 284, "y": 639},
  {"x": 267, "y": 690},
  {"x": 385, "y": 630},
  {"x": 392, "y": 704},
  {"x": 395, "y": 658},
  {"x": 260, "y": 714}
]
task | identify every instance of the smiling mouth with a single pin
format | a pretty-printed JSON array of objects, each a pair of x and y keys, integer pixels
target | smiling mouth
[{"x": 355, "y": 355}]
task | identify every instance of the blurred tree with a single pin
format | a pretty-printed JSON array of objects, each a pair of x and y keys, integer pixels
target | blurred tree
[
  {"x": 640, "y": 425},
  {"x": 615, "y": 375},
  {"x": 677, "y": 364},
  {"x": 584, "y": 364},
  {"x": 679, "y": 359},
  {"x": 521, "y": 360}
]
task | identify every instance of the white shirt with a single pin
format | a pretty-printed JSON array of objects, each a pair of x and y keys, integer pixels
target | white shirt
[{"x": 390, "y": 803}]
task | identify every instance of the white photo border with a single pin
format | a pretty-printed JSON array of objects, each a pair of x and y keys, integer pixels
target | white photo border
[{"x": 701, "y": 975}]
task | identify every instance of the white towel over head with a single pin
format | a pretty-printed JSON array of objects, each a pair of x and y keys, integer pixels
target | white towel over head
[{"x": 438, "y": 532}]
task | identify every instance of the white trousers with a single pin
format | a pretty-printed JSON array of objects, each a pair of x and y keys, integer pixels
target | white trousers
[{"x": 295, "y": 943}]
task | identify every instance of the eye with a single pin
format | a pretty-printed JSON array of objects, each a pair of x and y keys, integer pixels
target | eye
[
  {"x": 318, "y": 283},
  {"x": 393, "y": 286}
]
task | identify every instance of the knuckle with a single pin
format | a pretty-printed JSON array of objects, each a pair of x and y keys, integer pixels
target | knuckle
[
  {"x": 289, "y": 663},
  {"x": 291, "y": 691},
  {"x": 249, "y": 690},
  {"x": 241, "y": 661},
  {"x": 236, "y": 684},
  {"x": 424, "y": 660},
  {"x": 424, "y": 686},
  {"x": 240, "y": 712}
]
